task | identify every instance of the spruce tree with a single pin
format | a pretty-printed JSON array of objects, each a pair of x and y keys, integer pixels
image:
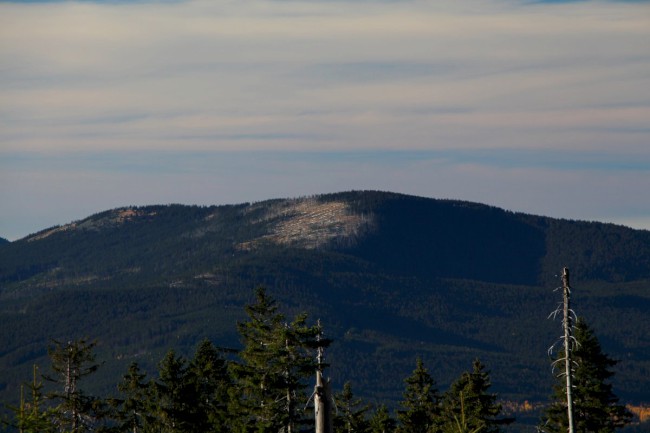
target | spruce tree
[
  {"x": 276, "y": 365},
  {"x": 298, "y": 362},
  {"x": 596, "y": 408},
  {"x": 351, "y": 416},
  {"x": 468, "y": 406},
  {"x": 258, "y": 376},
  {"x": 381, "y": 421},
  {"x": 71, "y": 362},
  {"x": 210, "y": 383},
  {"x": 32, "y": 416},
  {"x": 133, "y": 410},
  {"x": 420, "y": 409},
  {"x": 172, "y": 396}
]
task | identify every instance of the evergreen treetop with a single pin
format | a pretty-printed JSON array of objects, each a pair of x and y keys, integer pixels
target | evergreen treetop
[
  {"x": 351, "y": 417},
  {"x": 469, "y": 400},
  {"x": 420, "y": 410},
  {"x": 596, "y": 407}
]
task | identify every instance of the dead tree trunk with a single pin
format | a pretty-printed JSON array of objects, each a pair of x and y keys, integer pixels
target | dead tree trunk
[
  {"x": 568, "y": 345},
  {"x": 322, "y": 397},
  {"x": 323, "y": 405}
]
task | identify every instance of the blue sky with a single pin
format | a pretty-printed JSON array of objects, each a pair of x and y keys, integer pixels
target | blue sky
[{"x": 539, "y": 107}]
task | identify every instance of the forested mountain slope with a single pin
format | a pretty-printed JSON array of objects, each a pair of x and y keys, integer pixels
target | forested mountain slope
[{"x": 391, "y": 277}]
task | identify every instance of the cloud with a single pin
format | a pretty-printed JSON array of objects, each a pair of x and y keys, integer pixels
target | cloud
[
  {"x": 482, "y": 100},
  {"x": 150, "y": 72}
]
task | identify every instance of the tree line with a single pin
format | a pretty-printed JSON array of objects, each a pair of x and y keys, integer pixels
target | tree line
[{"x": 267, "y": 387}]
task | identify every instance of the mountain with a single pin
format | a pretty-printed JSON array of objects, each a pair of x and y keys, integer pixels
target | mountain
[
  {"x": 391, "y": 277},
  {"x": 3, "y": 241}
]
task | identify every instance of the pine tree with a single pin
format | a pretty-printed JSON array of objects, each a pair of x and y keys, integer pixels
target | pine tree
[
  {"x": 71, "y": 362},
  {"x": 468, "y": 406},
  {"x": 596, "y": 408},
  {"x": 351, "y": 417},
  {"x": 420, "y": 410}
]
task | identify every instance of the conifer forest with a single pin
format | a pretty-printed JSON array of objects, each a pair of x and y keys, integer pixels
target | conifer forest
[{"x": 272, "y": 385}]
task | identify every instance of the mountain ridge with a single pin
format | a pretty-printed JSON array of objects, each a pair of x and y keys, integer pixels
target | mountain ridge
[
  {"x": 391, "y": 276},
  {"x": 273, "y": 221}
]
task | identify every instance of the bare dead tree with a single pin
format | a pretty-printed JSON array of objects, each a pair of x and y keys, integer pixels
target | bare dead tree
[
  {"x": 569, "y": 342},
  {"x": 322, "y": 393},
  {"x": 567, "y": 322}
]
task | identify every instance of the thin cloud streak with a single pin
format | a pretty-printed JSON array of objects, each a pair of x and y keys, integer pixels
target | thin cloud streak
[{"x": 358, "y": 60}]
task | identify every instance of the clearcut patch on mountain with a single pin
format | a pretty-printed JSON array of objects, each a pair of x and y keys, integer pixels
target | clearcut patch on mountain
[{"x": 310, "y": 224}]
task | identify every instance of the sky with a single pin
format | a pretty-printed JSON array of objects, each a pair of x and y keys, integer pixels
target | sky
[{"x": 540, "y": 107}]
